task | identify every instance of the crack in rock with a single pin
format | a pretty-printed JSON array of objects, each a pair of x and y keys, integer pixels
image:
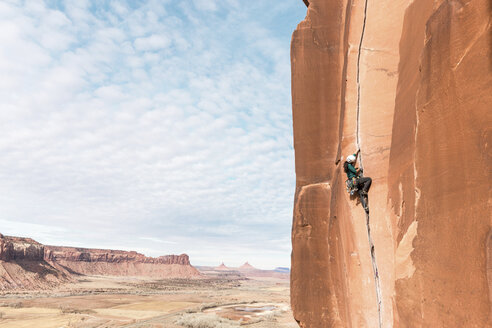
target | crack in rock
[{"x": 371, "y": 243}]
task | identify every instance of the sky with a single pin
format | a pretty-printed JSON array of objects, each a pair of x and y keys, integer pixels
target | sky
[{"x": 163, "y": 126}]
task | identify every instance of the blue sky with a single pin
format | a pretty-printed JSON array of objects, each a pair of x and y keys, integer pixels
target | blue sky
[{"x": 157, "y": 126}]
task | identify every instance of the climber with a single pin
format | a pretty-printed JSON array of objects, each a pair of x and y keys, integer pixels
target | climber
[{"x": 355, "y": 175}]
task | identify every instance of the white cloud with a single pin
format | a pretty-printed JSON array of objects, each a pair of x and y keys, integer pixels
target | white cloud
[
  {"x": 156, "y": 127},
  {"x": 157, "y": 240},
  {"x": 151, "y": 43},
  {"x": 206, "y": 5}
]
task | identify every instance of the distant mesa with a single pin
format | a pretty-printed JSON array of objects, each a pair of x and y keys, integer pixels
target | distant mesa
[
  {"x": 245, "y": 271},
  {"x": 251, "y": 272},
  {"x": 25, "y": 263},
  {"x": 282, "y": 270},
  {"x": 22, "y": 265},
  {"x": 119, "y": 263}
]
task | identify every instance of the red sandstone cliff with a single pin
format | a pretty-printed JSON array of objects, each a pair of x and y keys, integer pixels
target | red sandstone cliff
[
  {"x": 17, "y": 248},
  {"x": 410, "y": 83},
  {"x": 25, "y": 263},
  {"x": 119, "y": 263},
  {"x": 22, "y": 265}
]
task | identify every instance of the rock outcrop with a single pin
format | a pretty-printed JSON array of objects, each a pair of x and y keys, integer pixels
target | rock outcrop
[
  {"x": 247, "y": 266},
  {"x": 119, "y": 263},
  {"x": 25, "y": 263},
  {"x": 222, "y": 266},
  {"x": 22, "y": 265},
  {"x": 410, "y": 83},
  {"x": 17, "y": 248}
]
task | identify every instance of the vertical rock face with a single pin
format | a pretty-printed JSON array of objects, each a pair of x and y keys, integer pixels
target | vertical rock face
[
  {"x": 410, "y": 83},
  {"x": 17, "y": 248}
]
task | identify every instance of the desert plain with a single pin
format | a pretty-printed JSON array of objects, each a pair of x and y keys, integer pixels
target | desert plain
[{"x": 215, "y": 300}]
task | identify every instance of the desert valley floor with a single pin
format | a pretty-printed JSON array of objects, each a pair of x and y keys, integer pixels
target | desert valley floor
[{"x": 97, "y": 301}]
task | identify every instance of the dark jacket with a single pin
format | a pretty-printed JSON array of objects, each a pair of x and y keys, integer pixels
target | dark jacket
[{"x": 350, "y": 169}]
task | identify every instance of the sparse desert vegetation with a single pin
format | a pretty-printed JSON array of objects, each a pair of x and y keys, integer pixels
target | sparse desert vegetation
[{"x": 201, "y": 320}]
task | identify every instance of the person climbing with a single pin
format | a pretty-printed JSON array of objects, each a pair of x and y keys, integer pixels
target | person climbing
[{"x": 361, "y": 183}]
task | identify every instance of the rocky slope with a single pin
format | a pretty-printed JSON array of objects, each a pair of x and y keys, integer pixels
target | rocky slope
[
  {"x": 25, "y": 263},
  {"x": 410, "y": 83}
]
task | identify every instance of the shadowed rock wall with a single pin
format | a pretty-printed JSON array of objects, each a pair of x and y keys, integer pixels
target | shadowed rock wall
[
  {"x": 317, "y": 64},
  {"x": 410, "y": 83}
]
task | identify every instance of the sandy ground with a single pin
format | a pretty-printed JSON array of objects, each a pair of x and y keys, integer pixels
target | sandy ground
[{"x": 138, "y": 302}]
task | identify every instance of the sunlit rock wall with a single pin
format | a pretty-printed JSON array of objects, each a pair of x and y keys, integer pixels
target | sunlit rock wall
[{"x": 410, "y": 83}]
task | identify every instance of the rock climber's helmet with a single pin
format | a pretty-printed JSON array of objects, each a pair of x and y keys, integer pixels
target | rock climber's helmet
[{"x": 351, "y": 158}]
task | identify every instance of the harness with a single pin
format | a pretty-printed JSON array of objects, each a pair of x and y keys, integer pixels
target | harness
[{"x": 351, "y": 185}]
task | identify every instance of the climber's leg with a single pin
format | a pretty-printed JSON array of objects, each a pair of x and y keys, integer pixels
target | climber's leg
[
  {"x": 364, "y": 200},
  {"x": 364, "y": 183}
]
